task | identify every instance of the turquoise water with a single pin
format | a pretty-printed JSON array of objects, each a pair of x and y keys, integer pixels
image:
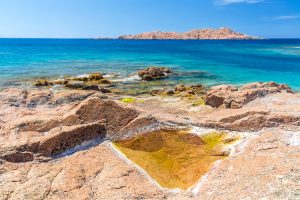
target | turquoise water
[{"x": 207, "y": 62}]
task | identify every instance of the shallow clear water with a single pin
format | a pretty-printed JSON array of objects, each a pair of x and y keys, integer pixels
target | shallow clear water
[
  {"x": 205, "y": 61},
  {"x": 175, "y": 159}
]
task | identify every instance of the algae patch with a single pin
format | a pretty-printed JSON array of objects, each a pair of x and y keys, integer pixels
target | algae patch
[{"x": 175, "y": 159}]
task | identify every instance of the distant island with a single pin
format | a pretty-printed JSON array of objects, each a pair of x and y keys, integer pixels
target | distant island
[{"x": 221, "y": 33}]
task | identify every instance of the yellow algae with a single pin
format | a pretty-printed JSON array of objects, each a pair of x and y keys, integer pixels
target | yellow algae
[
  {"x": 175, "y": 159},
  {"x": 199, "y": 102},
  {"x": 128, "y": 100}
]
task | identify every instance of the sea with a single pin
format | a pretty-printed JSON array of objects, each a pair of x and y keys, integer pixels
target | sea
[{"x": 208, "y": 62}]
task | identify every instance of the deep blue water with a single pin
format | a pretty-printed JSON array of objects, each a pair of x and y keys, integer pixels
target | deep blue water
[{"x": 203, "y": 61}]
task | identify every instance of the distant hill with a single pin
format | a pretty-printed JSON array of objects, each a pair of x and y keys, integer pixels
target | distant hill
[{"x": 221, "y": 33}]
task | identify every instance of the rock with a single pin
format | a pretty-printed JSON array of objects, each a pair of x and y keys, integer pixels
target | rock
[
  {"x": 232, "y": 97},
  {"x": 252, "y": 91},
  {"x": 104, "y": 81},
  {"x": 180, "y": 88},
  {"x": 105, "y": 90},
  {"x": 75, "y": 84},
  {"x": 60, "y": 82},
  {"x": 17, "y": 157},
  {"x": 41, "y": 83},
  {"x": 62, "y": 138},
  {"x": 155, "y": 92},
  {"x": 95, "y": 77},
  {"x": 71, "y": 96},
  {"x": 221, "y": 33},
  {"x": 84, "y": 79},
  {"x": 170, "y": 92},
  {"x": 198, "y": 88},
  {"x": 95, "y": 109},
  {"x": 151, "y": 73},
  {"x": 36, "y": 98},
  {"x": 91, "y": 87}
]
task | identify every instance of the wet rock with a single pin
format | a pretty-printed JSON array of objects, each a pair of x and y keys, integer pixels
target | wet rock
[
  {"x": 60, "y": 82},
  {"x": 104, "y": 81},
  {"x": 180, "y": 88},
  {"x": 41, "y": 83},
  {"x": 95, "y": 77},
  {"x": 105, "y": 90},
  {"x": 152, "y": 73},
  {"x": 198, "y": 88},
  {"x": 84, "y": 79},
  {"x": 75, "y": 84},
  {"x": 155, "y": 92},
  {"x": 170, "y": 92},
  {"x": 91, "y": 87}
]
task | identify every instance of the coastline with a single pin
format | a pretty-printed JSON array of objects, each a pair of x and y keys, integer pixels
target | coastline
[{"x": 38, "y": 122}]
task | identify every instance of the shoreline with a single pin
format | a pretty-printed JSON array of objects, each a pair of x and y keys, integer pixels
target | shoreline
[{"x": 39, "y": 124}]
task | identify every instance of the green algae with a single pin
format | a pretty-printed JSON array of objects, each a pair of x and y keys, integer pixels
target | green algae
[{"x": 175, "y": 159}]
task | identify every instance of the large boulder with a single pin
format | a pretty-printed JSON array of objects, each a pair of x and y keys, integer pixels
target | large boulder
[
  {"x": 216, "y": 95},
  {"x": 231, "y": 97},
  {"x": 152, "y": 73}
]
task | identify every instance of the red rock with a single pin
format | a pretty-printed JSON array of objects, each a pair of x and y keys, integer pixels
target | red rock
[
  {"x": 231, "y": 97},
  {"x": 221, "y": 33}
]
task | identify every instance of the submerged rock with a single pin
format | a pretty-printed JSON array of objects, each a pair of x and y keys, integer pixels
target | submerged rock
[{"x": 152, "y": 73}]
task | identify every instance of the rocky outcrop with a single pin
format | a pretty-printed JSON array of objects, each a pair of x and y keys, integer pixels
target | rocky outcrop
[
  {"x": 221, "y": 33},
  {"x": 181, "y": 90},
  {"x": 152, "y": 73},
  {"x": 38, "y": 128},
  {"x": 232, "y": 97}
]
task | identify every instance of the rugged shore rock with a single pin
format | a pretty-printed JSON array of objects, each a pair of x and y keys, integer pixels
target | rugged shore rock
[
  {"x": 221, "y": 33},
  {"x": 152, "y": 73},
  {"x": 233, "y": 97},
  {"x": 56, "y": 144}
]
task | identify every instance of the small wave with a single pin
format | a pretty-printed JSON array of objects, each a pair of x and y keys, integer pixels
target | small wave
[
  {"x": 82, "y": 75},
  {"x": 129, "y": 79},
  {"x": 295, "y": 47}
]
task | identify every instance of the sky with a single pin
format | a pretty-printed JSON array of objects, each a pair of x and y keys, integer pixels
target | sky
[{"x": 111, "y": 18}]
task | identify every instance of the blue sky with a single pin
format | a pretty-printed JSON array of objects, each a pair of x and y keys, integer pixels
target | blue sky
[{"x": 99, "y": 18}]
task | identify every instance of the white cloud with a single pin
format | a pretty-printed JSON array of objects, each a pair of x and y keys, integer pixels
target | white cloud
[
  {"x": 227, "y": 2},
  {"x": 286, "y": 17}
]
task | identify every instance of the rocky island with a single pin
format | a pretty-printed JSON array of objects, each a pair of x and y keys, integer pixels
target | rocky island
[
  {"x": 221, "y": 33},
  {"x": 88, "y": 138}
]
